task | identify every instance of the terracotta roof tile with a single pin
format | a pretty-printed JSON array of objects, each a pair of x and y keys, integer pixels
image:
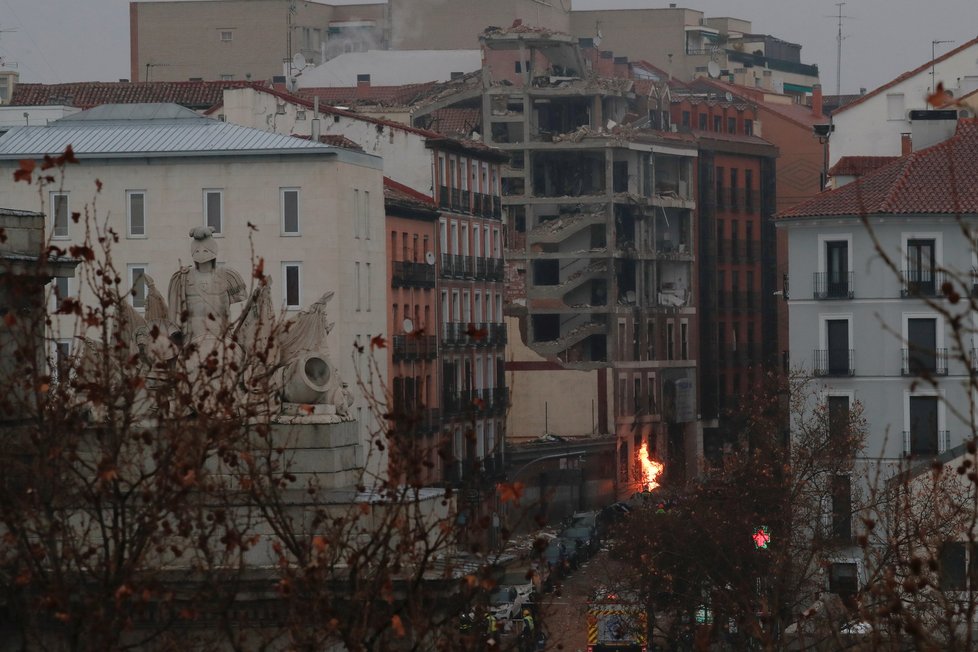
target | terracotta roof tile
[
  {"x": 857, "y": 166},
  {"x": 196, "y": 95},
  {"x": 404, "y": 95},
  {"x": 934, "y": 180},
  {"x": 456, "y": 122},
  {"x": 405, "y": 195}
]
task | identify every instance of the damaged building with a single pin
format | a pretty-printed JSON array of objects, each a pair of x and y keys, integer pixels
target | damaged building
[{"x": 601, "y": 240}]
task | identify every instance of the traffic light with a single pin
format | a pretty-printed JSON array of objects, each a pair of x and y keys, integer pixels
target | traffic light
[{"x": 761, "y": 537}]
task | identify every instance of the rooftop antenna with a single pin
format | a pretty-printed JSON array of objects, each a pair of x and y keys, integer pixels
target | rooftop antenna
[
  {"x": 838, "y": 51},
  {"x": 933, "y": 51}
]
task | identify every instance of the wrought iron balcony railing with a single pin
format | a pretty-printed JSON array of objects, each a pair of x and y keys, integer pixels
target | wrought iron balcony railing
[{"x": 833, "y": 362}]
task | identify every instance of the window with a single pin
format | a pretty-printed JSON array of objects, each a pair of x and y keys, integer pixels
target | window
[
  {"x": 356, "y": 213},
  {"x": 731, "y": 125},
  {"x": 922, "y": 355},
  {"x": 844, "y": 580},
  {"x": 719, "y": 187},
  {"x": 226, "y": 76},
  {"x": 137, "y": 283},
  {"x": 838, "y": 419},
  {"x": 369, "y": 297},
  {"x": 733, "y": 187},
  {"x": 670, "y": 341},
  {"x": 749, "y": 189},
  {"x": 702, "y": 121},
  {"x": 718, "y": 123},
  {"x": 919, "y": 276},
  {"x": 290, "y": 210},
  {"x": 834, "y": 282},
  {"x": 954, "y": 566},
  {"x": 365, "y": 215},
  {"x": 841, "y": 508},
  {"x": 923, "y": 438},
  {"x": 748, "y": 127},
  {"x": 214, "y": 210},
  {"x": 292, "y": 285},
  {"x": 837, "y": 343},
  {"x": 136, "y": 213},
  {"x": 59, "y": 216},
  {"x": 227, "y": 35},
  {"x": 61, "y": 360},
  {"x": 685, "y": 119},
  {"x": 356, "y": 282},
  {"x": 684, "y": 340},
  {"x": 60, "y": 290},
  {"x": 895, "y": 106}
]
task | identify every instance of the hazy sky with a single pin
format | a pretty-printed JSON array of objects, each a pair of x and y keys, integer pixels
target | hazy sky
[{"x": 86, "y": 40}]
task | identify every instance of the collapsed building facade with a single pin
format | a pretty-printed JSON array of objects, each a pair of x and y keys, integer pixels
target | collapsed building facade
[{"x": 601, "y": 242}]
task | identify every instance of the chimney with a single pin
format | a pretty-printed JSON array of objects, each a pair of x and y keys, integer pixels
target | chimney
[
  {"x": 363, "y": 81},
  {"x": 817, "y": 100},
  {"x": 930, "y": 127},
  {"x": 606, "y": 64},
  {"x": 906, "y": 144}
]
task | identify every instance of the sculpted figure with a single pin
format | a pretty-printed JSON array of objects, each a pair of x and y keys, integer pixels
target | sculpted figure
[{"x": 200, "y": 297}]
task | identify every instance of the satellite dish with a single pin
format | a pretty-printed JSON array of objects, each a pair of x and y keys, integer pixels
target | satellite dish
[
  {"x": 298, "y": 61},
  {"x": 713, "y": 69},
  {"x": 408, "y": 325},
  {"x": 430, "y": 258},
  {"x": 729, "y": 96}
]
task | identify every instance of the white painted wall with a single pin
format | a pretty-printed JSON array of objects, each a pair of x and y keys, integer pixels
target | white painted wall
[
  {"x": 327, "y": 249},
  {"x": 406, "y": 159},
  {"x": 866, "y": 129}
]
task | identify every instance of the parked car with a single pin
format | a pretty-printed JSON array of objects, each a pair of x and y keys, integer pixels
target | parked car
[
  {"x": 506, "y": 602},
  {"x": 584, "y": 537}
]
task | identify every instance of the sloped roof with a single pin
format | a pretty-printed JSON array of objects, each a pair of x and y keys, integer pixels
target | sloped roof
[
  {"x": 935, "y": 180},
  {"x": 400, "y": 194},
  {"x": 458, "y": 122},
  {"x": 907, "y": 75},
  {"x": 192, "y": 94},
  {"x": 403, "y": 95},
  {"x": 857, "y": 166},
  {"x": 146, "y": 129}
]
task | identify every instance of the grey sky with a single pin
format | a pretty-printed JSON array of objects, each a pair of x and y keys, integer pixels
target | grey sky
[{"x": 86, "y": 40}]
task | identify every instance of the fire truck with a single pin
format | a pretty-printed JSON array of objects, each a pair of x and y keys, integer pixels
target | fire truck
[{"x": 616, "y": 622}]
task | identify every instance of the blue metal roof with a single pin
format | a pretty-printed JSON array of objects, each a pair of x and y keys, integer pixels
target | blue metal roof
[{"x": 148, "y": 130}]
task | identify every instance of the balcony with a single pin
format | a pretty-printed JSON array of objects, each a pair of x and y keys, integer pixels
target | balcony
[
  {"x": 444, "y": 197},
  {"x": 453, "y": 334},
  {"x": 453, "y": 266},
  {"x": 923, "y": 362},
  {"x": 832, "y": 286},
  {"x": 407, "y": 418},
  {"x": 497, "y": 334},
  {"x": 926, "y": 443},
  {"x": 833, "y": 362},
  {"x": 465, "y": 199},
  {"x": 412, "y": 275},
  {"x": 921, "y": 283},
  {"x": 407, "y": 348},
  {"x": 499, "y": 401}
]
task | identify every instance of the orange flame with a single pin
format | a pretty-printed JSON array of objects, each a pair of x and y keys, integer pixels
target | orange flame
[{"x": 651, "y": 469}]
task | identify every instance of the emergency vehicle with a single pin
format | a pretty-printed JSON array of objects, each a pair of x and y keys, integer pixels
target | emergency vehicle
[{"x": 616, "y": 622}]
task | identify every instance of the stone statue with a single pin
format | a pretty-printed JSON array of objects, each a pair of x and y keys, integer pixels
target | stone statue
[
  {"x": 286, "y": 365},
  {"x": 200, "y": 297}
]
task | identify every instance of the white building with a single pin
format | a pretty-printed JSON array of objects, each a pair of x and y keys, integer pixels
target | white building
[
  {"x": 872, "y": 124},
  {"x": 318, "y": 211},
  {"x": 391, "y": 67},
  {"x": 881, "y": 333}
]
